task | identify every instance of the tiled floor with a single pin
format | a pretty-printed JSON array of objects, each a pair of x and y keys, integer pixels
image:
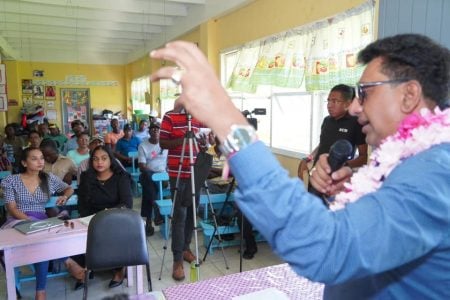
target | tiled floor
[{"x": 62, "y": 287}]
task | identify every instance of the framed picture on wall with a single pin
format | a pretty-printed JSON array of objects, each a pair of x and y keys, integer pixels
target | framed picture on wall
[
  {"x": 2, "y": 74},
  {"x": 38, "y": 92},
  {"x": 75, "y": 105},
  {"x": 27, "y": 100},
  {"x": 3, "y": 102},
  {"x": 27, "y": 86},
  {"x": 50, "y": 92}
]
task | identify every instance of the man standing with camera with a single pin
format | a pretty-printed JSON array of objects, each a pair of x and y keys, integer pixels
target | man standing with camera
[{"x": 173, "y": 131}]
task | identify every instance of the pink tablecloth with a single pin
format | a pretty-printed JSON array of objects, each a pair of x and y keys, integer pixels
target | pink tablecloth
[{"x": 280, "y": 277}]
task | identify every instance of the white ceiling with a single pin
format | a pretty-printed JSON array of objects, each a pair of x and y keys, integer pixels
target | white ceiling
[{"x": 98, "y": 31}]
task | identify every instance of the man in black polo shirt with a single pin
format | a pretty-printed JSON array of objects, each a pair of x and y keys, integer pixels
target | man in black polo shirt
[{"x": 339, "y": 125}]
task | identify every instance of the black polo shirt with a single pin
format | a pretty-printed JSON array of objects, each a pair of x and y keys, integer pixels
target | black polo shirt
[{"x": 332, "y": 130}]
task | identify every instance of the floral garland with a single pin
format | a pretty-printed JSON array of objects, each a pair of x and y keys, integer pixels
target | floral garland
[{"x": 417, "y": 133}]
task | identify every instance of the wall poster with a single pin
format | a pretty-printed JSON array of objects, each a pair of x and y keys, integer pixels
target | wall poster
[{"x": 75, "y": 105}]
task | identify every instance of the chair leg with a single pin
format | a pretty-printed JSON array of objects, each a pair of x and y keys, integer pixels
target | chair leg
[
  {"x": 86, "y": 280},
  {"x": 149, "y": 278}
]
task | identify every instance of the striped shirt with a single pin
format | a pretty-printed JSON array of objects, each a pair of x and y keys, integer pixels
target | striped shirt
[{"x": 174, "y": 126}]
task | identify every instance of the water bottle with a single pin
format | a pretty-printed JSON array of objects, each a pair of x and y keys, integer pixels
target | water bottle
[{"x": 193, "y": 275}]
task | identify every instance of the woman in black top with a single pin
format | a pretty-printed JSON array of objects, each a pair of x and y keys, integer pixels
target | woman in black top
[{"x": 104, "y": 185}]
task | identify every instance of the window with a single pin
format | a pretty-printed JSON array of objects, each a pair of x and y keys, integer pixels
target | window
[
  {"x": 140, "y": 93},
  {"x": 293, "y": 117}
]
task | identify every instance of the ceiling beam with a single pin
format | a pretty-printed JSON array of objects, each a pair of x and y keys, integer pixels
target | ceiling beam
[
  {"x": 52, "y": 30},
  {"x": 29, "y": 21},
  {"x": 7, "y": 50},
  {"x": 81, "y": 6}
]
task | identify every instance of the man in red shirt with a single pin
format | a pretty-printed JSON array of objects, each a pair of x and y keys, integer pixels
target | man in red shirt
[{"x": 173, "y": 130}]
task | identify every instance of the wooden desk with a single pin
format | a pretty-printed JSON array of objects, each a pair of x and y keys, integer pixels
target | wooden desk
[
  {"x": 20, "y": 249},
  {"x": 280, "y": 277}
]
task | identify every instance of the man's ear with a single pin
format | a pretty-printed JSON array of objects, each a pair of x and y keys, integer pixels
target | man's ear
[{"x": 412, "y": 96}]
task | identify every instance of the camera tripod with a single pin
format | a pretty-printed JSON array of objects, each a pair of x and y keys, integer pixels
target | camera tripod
[
  {"x": 216, "y": 227},
  {"x": 189, "y": 140}
]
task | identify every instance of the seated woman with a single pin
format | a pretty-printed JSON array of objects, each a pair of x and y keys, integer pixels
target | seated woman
[
  {"x": 25, "y": 196},
  {"x": 104, "y": 185},
  {"x": 82, "y": 152}
]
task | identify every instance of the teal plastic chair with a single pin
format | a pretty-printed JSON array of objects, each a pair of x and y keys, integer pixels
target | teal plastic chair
[
  {"x": 164, "y": 205},
  {"x": 134, "y": 171}
]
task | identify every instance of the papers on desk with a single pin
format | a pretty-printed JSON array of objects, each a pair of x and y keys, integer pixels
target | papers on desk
[
  {"x": 86, "y": 220},
  {"x": 266, "y": 294}
]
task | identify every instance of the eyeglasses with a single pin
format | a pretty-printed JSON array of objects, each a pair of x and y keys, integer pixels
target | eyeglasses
[{"x": 360, "y": 92}]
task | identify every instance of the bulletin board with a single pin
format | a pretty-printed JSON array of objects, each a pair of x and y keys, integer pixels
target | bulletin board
[{"x": 75, "y": 105}]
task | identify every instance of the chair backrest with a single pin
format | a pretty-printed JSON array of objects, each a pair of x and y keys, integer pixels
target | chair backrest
[
  {"x": 116, "y": 238},
  {"x": 134, "y": 155},
  {"x": 159, "y": 178},
  {"x": 3, "y": 174}
]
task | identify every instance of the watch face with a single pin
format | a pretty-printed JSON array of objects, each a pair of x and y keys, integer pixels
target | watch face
[{"x": 241, "y": 137}]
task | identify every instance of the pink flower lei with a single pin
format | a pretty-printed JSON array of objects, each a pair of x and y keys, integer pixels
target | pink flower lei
[{"x": 417, "y": 133}]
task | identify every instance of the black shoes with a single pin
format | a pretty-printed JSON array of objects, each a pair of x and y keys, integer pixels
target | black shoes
[
  {"x": 113, "y": 283},
  {"x": 249, "y": 253},
  {"x": 79, "y": 285},
  {"x": 149, "y": 230}
]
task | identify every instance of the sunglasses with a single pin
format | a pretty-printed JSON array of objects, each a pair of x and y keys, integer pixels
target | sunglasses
[{"x": 360, "y": 90}]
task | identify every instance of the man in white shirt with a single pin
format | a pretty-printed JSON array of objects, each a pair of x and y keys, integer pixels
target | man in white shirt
[{"x": 151, "y": 159}]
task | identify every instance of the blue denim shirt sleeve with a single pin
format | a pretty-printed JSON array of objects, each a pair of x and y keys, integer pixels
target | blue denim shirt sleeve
[{"x": 406, "y": 219}]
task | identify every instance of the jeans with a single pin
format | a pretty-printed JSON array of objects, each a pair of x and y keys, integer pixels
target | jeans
[
  {"x": 41, "y": 270},
  {"x": 183, "y": 217},
  {"x": 149, "y": 192}
]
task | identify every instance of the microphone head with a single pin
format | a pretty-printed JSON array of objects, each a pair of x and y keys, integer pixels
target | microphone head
[{"x": 340, "y": 152}]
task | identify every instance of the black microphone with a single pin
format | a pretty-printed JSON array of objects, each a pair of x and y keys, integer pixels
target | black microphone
[{"x": 340, "y": 152}]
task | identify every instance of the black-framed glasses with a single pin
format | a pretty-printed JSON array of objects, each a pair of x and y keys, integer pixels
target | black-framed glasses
[{"x": 360, "y": 88}]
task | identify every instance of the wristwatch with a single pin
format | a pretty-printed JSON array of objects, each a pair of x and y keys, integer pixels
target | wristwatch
[{"x": 240, "y": 137}]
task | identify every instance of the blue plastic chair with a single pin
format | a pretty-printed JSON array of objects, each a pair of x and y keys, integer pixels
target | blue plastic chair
[
  {"x": 165, "y": 206},
  {"x": 134, "y": 172}
]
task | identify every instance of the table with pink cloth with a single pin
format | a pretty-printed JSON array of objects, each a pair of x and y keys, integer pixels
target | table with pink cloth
[{"x": 280, "y": 277}]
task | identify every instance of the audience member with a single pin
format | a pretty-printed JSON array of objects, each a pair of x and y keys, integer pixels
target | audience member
[
  {"x": 387, "y": 235},
  {"x": 25, "y": 196},
  {"x": 44, "y": 130},
  {"x": 77, "y": 128},
  {"x": 116, "y": 134},
  {"x": 34, "y": 139},
  {"x": 102, "y": 186},
  {"x": 338, "y": 125},
  {"x": 5, "y": 164},
  {"x": 142, "y": 133},
  {"x": 173, "y": 129},
  {"x": 128, "y": 143},
  {"x": 13, "y": 146},
  {"x": 152, "y": 159},
  {"x": 95, "y": 141},
  {"x": 56, "y": 135},
  {"x": 82, "y": 152},
  {"x": 61, "y": 166}
]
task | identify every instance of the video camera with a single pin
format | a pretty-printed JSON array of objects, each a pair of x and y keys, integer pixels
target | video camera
[{"x": 249, "y": 115}]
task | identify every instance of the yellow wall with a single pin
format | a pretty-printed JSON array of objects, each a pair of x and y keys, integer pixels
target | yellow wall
[
  {"x": 102, "y": 97},
  {"x": 256, "y": 20}
]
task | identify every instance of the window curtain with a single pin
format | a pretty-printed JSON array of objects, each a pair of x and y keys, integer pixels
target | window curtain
[
  {"x": 140, "y": 93},
  {"x": 322, "y": 54}
]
